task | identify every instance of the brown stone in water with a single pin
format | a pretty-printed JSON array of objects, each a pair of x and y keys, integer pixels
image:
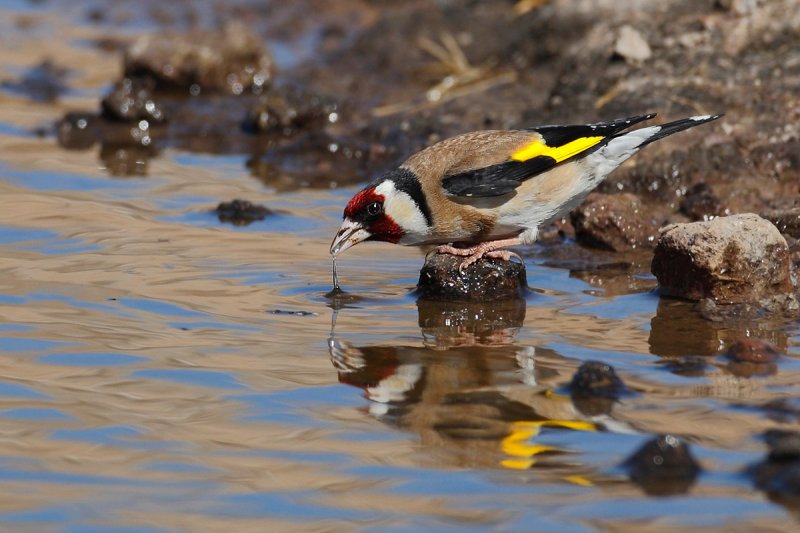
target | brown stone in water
[
  {"x": 752, "y": 351},
  {"x": 752, "y": 357},
  {"x": 241, "y": 212},
  {"x": 735, "y": 259},
  {"x": 663, "y": 466},
  {"x": 485, "y": 280},
  {"x": 615, "y": 222}
]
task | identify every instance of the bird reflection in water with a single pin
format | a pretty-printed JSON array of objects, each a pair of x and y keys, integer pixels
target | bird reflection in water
[{"x": 469, "y": 388}]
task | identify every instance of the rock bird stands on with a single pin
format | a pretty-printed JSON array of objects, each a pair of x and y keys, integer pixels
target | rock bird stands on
[{"x": 479, "y": 192}]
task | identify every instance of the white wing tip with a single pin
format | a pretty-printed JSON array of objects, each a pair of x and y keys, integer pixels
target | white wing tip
[{"x": 705, "y": 118}]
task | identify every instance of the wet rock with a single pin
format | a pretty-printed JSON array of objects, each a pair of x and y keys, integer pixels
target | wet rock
[
  {"x": 595, "y": 387},
  {"x": 231, "y": 60},
  {"x": 663, "y": 466},
  {"x": 486, "y": 280},
  {"x": 132, "y": 100},
  {"x": 42, "y": 83},
  {"x": 752, "y": 357},
  {"x": 284, "y": 111},
  {"x": 241, "y": 212},
  {"x": 632, "y": 46},
  {"x": 77, "y": 131},
  {"x": 786, "y": 220},
  {"x": 740, "y": 258},
  {"x": 447, "y": 324},
  {"x": 779, "y": 474},
  {"x": 614, "y": 222},
  {"x": 700, "y": 203}
]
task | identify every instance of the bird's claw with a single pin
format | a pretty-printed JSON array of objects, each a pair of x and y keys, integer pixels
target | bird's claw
[
  {"x": 472, "y": 255},
  {"x": 503, "y": 255}
]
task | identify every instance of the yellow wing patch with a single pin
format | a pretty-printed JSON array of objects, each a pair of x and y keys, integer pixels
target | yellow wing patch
[{"x": 559, "y": 153}]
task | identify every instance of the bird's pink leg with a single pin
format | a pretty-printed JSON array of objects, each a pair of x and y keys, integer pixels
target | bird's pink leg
[{"x": 488, "y": 249}]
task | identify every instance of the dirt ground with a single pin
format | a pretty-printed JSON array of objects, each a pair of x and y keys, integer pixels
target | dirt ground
[{"x": 338, "y": 97}]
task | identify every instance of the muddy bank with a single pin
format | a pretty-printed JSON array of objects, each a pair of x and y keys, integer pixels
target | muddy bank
[
  {"x": 363, "y": 85},
  {"x": 413, "y": 72}
]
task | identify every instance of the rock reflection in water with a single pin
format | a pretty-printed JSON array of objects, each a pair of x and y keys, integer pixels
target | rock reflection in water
[
  {"x": 678, "y": 330},
  {"x": 468, "y": 389},
  {"x": 448, "y": 324}
]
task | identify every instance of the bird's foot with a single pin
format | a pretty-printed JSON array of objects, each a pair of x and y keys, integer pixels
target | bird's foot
[{"x": 474, "y": 253}]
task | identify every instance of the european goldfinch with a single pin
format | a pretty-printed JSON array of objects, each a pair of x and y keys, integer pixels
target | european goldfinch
[{"x": 486, "y": 190}]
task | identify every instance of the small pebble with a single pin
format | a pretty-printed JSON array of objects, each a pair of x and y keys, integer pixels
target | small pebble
[{"x": 241, "y": 212}]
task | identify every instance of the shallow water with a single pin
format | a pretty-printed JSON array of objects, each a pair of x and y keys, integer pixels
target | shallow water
[{"x": 160, "y": 371}]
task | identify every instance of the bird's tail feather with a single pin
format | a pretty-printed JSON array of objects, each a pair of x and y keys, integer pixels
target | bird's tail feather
[
  {"x": 621, "y": 146},
  {"x": 679, "y": 125}
]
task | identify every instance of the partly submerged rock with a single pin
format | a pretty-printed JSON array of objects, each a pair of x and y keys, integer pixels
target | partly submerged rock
[
  {"x": 663, "y": 466},
  {"x": 485, "y": 280},
  {"x": 132, "y": 100},
  {"x": 286, "y": 110},
  {"x": 615, "y": 222},
  {"x": 752, "y": 351},
  {"x": 735, "y": 259},
  {"x": 752, "y": 357}
]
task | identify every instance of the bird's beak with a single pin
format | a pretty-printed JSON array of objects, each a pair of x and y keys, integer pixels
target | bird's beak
[{"x": 350, "y": 234}]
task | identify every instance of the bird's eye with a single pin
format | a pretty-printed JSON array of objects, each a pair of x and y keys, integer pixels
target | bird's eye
[{"x": 374, "y": 208}]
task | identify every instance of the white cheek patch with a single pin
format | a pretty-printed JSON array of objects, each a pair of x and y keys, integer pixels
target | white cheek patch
[{"x": 402, "y": 208}]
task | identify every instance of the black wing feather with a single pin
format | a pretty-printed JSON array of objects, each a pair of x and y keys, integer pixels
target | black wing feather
[
  {"x": 495, "y": 180},
  {"x": 560, "y": 135}
]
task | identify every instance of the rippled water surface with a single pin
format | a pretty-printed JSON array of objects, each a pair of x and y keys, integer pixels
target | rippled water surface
[{"x": 160, "y": 371}]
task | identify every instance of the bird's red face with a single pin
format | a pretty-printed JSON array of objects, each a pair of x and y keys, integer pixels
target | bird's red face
[{"x": 365, "y": 218}]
